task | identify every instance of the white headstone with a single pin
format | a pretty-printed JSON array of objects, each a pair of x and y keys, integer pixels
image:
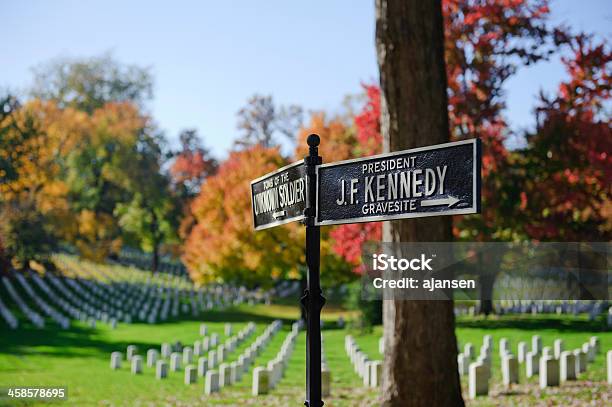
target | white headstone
[
  {"x": 366, "y": 371},
  {"x": 549, "y": 372},
  {"x": 463, "y": 363},
  {"x": 536, "y": 344},
  {"x": 136, "y": 364},
  {"x": 131, "y": 351},
  {"x": 510, "y": 372},
  {"x": 161, "y": 369},
  {"x": 609, "y": 365},
  {"x": 166, "y": 350},
  {"x": 376, "y": 374},
  {"x": 580, "y": 358},
  {"x": 187, "y": 355},
  {"x": 532, "y": 366},
  {"x": 468, "y": 351},
  {"x": 325, "y": 382},
  {"x": 589, "y": 351},
  {"x": 557, "y": 348},
  {"x": 488, "y": 342},
  {"x": 197, "y": 348},
  {"x": 202, "y": 366},
  {"x": 225, "y": 378},
  {"x": 115, "y": 362},
  {"x": 261, "y": 381},
  {"x": 190, "y": 374},
  {"x": 211, "y": 383},
  {"x": 504, "y": 347},
  {"x": 212, "y": 359},
  {"x": 221, "y": 354},
  {"x": 522, "y": 352},
  {"x": 175, "y": 361},
  {"x": 151, "y": 357},
  {"x": 237, "y": 371},
  {"x": 228, "y": 330},
  {"x": 381, "y": 346},
  {"x": 478, "y": 383},
  {"x": 594, "y": 341},
  {"x": 567, "y": 366},
  {"x": 203, "y": 330}
]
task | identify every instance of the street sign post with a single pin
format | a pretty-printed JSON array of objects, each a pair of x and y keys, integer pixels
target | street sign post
[
  {"x": 279, "y": 197},
  {"x": 428, "y": 181},
  {"x": 436, "y": 180}
]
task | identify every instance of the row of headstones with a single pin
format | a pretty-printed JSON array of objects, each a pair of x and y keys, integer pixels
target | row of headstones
[
  {"x": 8, "y": 316},
  {"x": 266, "y": 378},
  {"x": 144, "y": 261},
  {"x": 144, "y": 298},
  {"x": 58, "y": 300},
  {"x": 46, "y": 309},
  {"x": 214, "y": 379},
  {"x": 592, "y": 308},
  {"x": 553, "y": 365},
  {"x": 32, "y": 315},
  {"x": 232, "y": 374},
  {"x": 286, "y": 288},
  {"x": 73, "y": 305},
  {"x": 93, "y": 301},
  {"x": 97, "y": 301},
  {"x": 370, "y": 371}
]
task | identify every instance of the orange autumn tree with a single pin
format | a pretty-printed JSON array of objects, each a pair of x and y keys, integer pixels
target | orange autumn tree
[
  {"x": 223, "y": 246},
  {"x": 69, "y": 170},
  {"x": 34, "y": 204}
]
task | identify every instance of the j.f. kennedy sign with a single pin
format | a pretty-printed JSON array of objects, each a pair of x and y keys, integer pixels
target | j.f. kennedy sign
[
  {"x": 436, "y": 180},
  {"x": 279, "y": 197}
]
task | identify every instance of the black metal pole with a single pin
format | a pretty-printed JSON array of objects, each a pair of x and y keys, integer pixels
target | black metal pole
[{"x": 313, "y": 299}]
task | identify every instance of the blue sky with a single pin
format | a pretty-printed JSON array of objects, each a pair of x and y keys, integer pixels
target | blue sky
[{"x": 208, "y": 57}]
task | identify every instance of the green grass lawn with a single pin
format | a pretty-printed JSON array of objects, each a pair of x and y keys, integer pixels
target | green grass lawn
[{"x": 79, "y": 359}]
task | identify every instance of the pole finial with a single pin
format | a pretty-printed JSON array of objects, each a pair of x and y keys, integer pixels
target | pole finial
[{"x": 313, "y": 140}]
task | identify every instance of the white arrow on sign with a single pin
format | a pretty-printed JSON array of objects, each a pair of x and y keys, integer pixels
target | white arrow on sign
[
  {"x": 279, "y": 214},
  {"x": 449, "y": 201}
]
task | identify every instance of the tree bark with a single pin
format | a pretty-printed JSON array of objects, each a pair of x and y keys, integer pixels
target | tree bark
[
  {"x": 155, "y": 260},
  {"x": 420, "y": 367}
]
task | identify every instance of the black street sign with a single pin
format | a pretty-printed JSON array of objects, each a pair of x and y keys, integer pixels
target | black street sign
[
  {"x": 435, "y": 180},
  {"x": 279, "y": 197},
  {"x": 427, "y": 181}
]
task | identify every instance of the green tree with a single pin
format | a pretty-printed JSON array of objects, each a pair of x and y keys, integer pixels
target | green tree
[
  {"x": 88, "y": 83},
  {"x": 151, "y": 216}
]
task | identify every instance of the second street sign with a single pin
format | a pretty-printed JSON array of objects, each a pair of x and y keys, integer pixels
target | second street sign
[
  {"x": 279, "y": 197},
  {"x": 435, "y": 180}
]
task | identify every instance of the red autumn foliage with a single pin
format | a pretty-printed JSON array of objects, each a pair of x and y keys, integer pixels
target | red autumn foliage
[
  {"x": 485, "y": 43},
  {"x": 568, "y": 165}
]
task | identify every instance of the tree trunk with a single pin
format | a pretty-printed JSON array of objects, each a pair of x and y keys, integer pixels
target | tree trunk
[
  {"x": 486, "y": 280},
  {"x": 155, "y": 260},
  {"x": 420, "y": 367}
]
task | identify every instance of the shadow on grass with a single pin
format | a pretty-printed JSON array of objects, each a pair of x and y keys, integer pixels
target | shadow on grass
[
  {"x": 83, "y": 341},
  {"x": 77, "y": 341}
]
